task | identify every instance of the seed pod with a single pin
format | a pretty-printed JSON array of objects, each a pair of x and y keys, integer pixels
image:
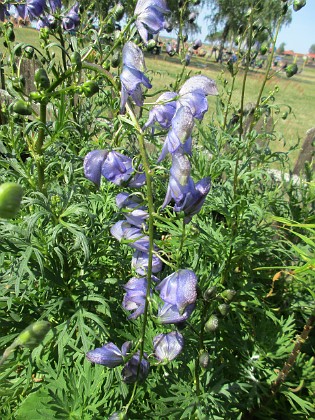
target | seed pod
[
  {"x": 21, "y": 107},
  {"x": 228, "y": 294},
  {"x": 115, "y": 61},
  {"x": 10, "y": 199},
  {"x": 204, "y": 359},
  {"x": 210, "y": 293},
  {"x": 89, "y": 88},
  {"x": 298, "y": 4},
  {"x": 212, "y": 323},
  {"x": 224, "y": 309},
  {"x": 291, "y": 70},
  {"x": 41, "y": 79},
  {"x": 263, "y": 49},
  {"x": 33, "y": 335},
  {"x": 76, "y": 62},
  {"x": 29, "y": 52}
]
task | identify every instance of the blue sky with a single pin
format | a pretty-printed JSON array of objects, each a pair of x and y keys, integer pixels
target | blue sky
[{"x": 298, "y": 36}]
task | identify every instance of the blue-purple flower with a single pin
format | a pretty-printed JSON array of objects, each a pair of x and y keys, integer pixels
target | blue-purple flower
[
  {"x": 55, "y": 5},
  {"x": 109, "y": 355},
  {"x": 163, "y": 112},
  {"x": 123, "y": 230},
  {"x": 194, "y": 92},
  {"x": 170, "y": 314},
  {"x": 179, "y": 135},
  {"x": 46, "y": 22},
  {"x": 150, "y": 17},
  {"x": 197, "y": 44},
  {"x": 168, "y": 346},
  {"x": 188, "y": 196},
  {"x": 135, "y": 296},
  {"x": 3, "y": 12},
  {"x": 132, "y": 75},
  {"x": 179, "y": 289},
  {"x": 72, "y": 20},
  {"x": 133, "y": 372},
  {"x": 140, "y": 262},
  {"x": 32, "y": 8},
  {"x": 114, "y": 166}
]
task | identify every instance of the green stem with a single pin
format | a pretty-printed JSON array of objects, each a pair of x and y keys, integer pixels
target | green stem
[
  {"x": 39, "y": 146},
  {"x": 181, "y": 245}
]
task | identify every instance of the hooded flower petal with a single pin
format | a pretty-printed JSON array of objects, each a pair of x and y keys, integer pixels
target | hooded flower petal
[
  {"x": 130, "y": 370},
  {"x": 169, "y": 314},
  {"x": 118, "y": 169},
  {"x": 140, "y": 262},
  {"x": 109, "y": 355},
  {"x": 150, "y": 17},
  {"x": 135, "y": 296},
  {"x": 168, "y": 346},
  {"x": 132, "y": 75},
  {"x": 179, "y": 289},
  {"x": 92, "y": 165},
  {"x": 55, "y": 5},
  {"x": 162, "y": 113},
  {"x": 72, "y": 20}
]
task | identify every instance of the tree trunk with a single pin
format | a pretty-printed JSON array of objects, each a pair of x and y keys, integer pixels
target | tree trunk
[{"x": 223, "y": 40}]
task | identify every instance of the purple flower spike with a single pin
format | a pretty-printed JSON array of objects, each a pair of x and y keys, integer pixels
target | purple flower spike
[
  {"x": 179, "y": 136},
  {"x": 72, "y": 20},
  {"x": 162, "y": 113},
  {"x": 169, "y": 314},
  {"x": 135, "y": 296},
  {"x": 179, "y": 289},
  {"x": 109, "y": 355},
  {"x": 32, "y": 8},
  {"x": 168, "y": 346},
  {"x": 140, "y": 261},
  {"x": 150, "y": 17},
  {"x": 193, "y": 94},
  {"x": 132, "y": 75},
  {"x": 123, "y": 230},
  {"x": 92, "y": 165},
  {"x": 45, "y": 22},
  {"x": 130, "y": 370}
]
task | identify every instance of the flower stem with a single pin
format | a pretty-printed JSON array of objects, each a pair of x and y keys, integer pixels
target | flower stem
[{"x": 39, "y": 146}]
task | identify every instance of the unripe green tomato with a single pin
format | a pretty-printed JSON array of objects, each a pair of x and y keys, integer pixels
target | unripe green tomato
[
  {"x": 75, "y": 59},
  {"x": 33, "y": 334},
  {"x": 90, "y": 88},
  {"x": 204, "y": 359},
  {"x": 115, "y": 61},
  {"x": 10, "y": 199},
  {"x": 212, "y": 324},
  {"x": 21, "y": 107},
  {"x": 41, "y": 79}
]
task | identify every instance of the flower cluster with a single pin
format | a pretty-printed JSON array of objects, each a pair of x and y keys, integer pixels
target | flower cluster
[
  {"x": 175, "y": 112},
  {"x": 45, "y": 13}
]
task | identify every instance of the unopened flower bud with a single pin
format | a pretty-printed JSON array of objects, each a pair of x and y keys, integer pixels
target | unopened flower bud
[
  {"x": 212, "y": 323},
  {"x": 119, "y": 12},
  {"x": 204, "y": 359},
  {"x": 224, "y": 309},
  {"x": 151, "y": 44},
  {"x": 22, "y": 107},
  {"x": 210, "y": 293},
  {"x": 33, "y": 335},
  {"x": 10, "y": 199},
  {"x": 298, "y": 4},
  {"x": 291, "y": 70},
  {"x": 228, "y": 294},
  {"x": 90, "y": 88},
  {"x": 76, "y": 62},
  {"x": 115, "y": 61},
  {"x": 41, "y": 79}
]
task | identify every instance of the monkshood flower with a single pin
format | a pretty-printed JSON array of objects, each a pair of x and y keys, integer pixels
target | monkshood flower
[
  {"x": 32, "y": 8},
  {"x": 55, "y": 5},
  {"x": 114, "y": 166},
  {"x": 123, "y": 230},
  {"x": 3, "y": 12},
  {"x": 179, "y": 289},
  {"x": 188, "y": 196},
  {"x": 163, "y": 112},
  {"x": 109, "y": 355},
  {"x": 197, "y": 44},
  {"x": 150, "y": 17},
  {"x": 72, "y": 20},
  {"x": 140, "y": 262},
  {"x": 192, "y": 17},
  {"x": 168, "y": 346},
  {"x": 169, "y": 314},
  {"x": 179, "y": 135},
  {"x": 46, "y": 22},
  {"x": 135, "y": 296},
  {"x": 132, "y": 75},
  {"x": 130, "y": 370},
  {"x": 194, "y": 92},
  {"x": 137, "y": 214}
]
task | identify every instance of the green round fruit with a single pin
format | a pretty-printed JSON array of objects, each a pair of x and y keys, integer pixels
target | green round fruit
[{"x": 10, "y": 199}]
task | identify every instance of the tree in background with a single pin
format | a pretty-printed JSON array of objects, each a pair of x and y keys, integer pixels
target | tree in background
[
  {"x": 281, "y": 48},
  {"x": 232, "y": 16},
  {"x": 312, "y": 49}
]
